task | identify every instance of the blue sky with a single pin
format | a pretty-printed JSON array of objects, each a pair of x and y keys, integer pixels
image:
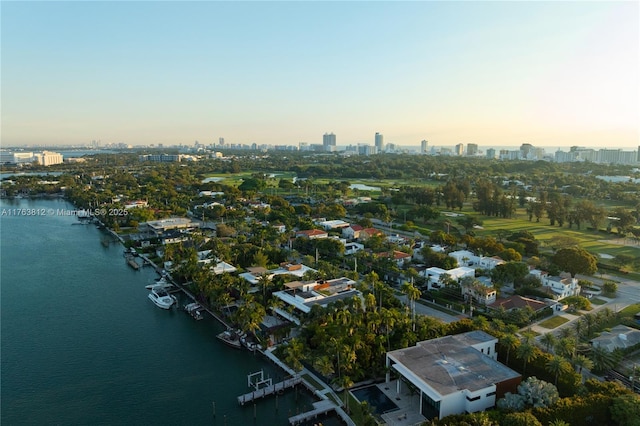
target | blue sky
[{"x": 492, "y": 73}]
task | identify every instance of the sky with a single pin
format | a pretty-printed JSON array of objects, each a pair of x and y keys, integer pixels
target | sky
[{"x": 492, "y": 73}]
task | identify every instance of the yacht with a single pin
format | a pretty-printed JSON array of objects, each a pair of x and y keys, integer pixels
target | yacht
[
  {"x": 230, "y": 338},
  {"x": 161, "y": 298}
]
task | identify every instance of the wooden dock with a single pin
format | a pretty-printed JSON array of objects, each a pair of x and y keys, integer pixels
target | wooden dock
[
  {"x": 269, "y": 390},
  {"x": 131, "y": 261},
  {"x": 319, "y": 408}
]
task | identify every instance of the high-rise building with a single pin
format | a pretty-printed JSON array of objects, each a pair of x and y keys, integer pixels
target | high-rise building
[
  {"x": 423, "y": 146},
  {"x": 221, "y": 141},
  {"x": 328, "y": 141},
  {"x": 379, "y": 142},
  {"x": 459, "y": 149},
  {"x": 491, "y": 153},
  {"x": 472, "y": 149}
]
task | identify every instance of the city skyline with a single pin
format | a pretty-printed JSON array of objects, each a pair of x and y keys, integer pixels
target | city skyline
[{"x": 489, "y": 73}]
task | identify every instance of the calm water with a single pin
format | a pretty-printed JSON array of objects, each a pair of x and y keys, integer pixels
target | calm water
[{"x": 81, "y": 343}]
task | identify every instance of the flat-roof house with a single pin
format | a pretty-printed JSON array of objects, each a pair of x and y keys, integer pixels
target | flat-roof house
[
  {"x": 434, "y": 275},
  {"x": 311, "y": 234},
  {"x": 163, "y": 225},
  {"x": 453, "y": 374},
  {"x": 468, "y": 258},
  {"x": 295, "y": 269},
  {"x": 352, "y": 248},
  {"x": 302, "y": 295},
  {"x": 329, "y": 225}
]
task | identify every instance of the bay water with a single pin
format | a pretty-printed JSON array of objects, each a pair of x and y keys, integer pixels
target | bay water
[{"x": 81, "y": 344}]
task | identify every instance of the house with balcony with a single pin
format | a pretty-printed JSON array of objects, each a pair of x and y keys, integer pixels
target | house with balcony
[
  {"x": 560, "y": 286},
  {"x": 303, "y": 295},
  {"x": 453, "y": 374},
  {"x": 481, "y": 291}
]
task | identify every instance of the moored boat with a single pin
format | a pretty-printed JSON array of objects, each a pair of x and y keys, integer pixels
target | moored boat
[
  {"x": 161, "y": 298},
  {"x": 195, "y": 310},
  {"x": 230, "y": 338}
]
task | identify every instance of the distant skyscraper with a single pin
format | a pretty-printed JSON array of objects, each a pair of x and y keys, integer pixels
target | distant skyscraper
[
  {"x": 459, "y": 150},
  {"x": 379, "y": 142},
  {"x": 491, "y": 153},
  {"x": 328, "y": 141},
  {"x": 221, "y": 141},
  {"x": 423, "y": 146},
  {"x": 472, "y": 149}
]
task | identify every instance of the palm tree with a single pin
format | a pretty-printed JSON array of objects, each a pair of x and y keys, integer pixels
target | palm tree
[
  {"x": 548, "y": 340},
  {"x": 580, "y": 362},
  {"x": 526, "y": 352},
  {"x": 295, "y": 353},
  {"x": 324, "y": 365},
  {"x": 566, "y": 347},
  {"x": 412, "y": 294},
  {"x": 557, "y": 365},
  {"x": 510, "y": 342},
  {"x": 602, "y": 359}
]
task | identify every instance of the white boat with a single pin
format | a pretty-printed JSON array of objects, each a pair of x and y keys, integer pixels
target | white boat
[
  {"x": 161, "y": 283},
  {"x": 161, "y": 298}
]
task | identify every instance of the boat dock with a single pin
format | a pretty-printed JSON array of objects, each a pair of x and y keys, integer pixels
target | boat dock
[
  {"x": 319, "y": 408},
  {"x": 131, "y": 261},
  {"x": 269, "y": 390}
]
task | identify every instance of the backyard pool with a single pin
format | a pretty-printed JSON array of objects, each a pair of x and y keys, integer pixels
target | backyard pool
[{"x": 377, "y": 400}]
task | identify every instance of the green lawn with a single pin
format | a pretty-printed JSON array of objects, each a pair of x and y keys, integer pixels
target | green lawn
[
  {"x": 597, "y": 301},
  {"x": 631, "y": 310},
  {"x": 311, "y": 381},
  {"x": 553, "y": 322}
]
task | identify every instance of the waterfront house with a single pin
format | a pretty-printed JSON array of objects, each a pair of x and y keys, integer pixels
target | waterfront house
[
  {"x": 453, "y": 374},
  {"x": 303, "y": 295}
]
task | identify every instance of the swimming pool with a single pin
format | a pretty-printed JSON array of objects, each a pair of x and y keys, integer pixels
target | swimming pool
[{"x": 377, "y": 400}]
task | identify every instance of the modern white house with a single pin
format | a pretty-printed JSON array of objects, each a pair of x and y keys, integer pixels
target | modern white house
[
  {"x": 434, "y": 275},
  {"x": 255, "y": 272},
  {"x": 311, "y": 234},
  {"x": 453, "y": 374},
  {"x": 561, "y": 287},
  {"x": 468, "y": 258},
  {"x": 332, "y": 225},
  {"x": 352, "y": 248}
]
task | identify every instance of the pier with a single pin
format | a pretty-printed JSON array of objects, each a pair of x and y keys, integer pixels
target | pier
[
  {"x": 268, "y": 389},
  {"x": 319, "y": 408}
]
